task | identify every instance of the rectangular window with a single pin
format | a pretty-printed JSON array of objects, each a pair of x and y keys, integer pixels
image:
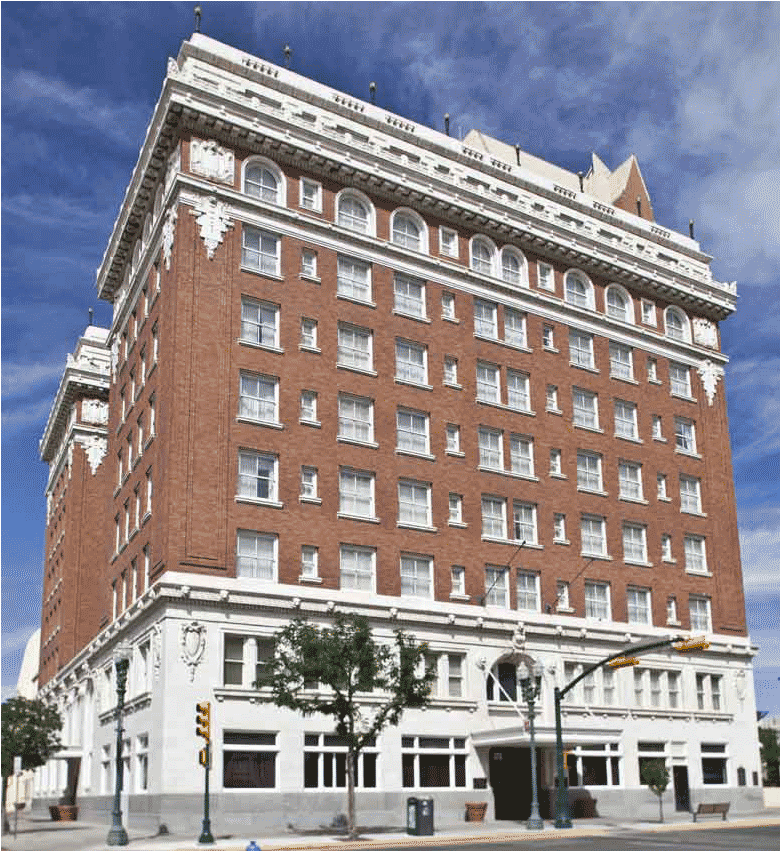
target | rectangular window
[
  {"x": 308, "y": 333},
  {"x": 258, "y": 398},
  {"x": 233, "y": 661},
  {"x": 497, "y": 587},
  {"x": 259, "y": 323},
  {"x": 257, "y": 475},
  {"x": 409, "y": 296},
  {"x": 309, "y": 482},
  {"x": 491, "y": 449},
  {"x": 652, "y": 370},
  {"x": 453, "y": 438},
  {"x": 589, "y": 471},
  {"x": 311, "y": 195},
  {"x": 451, "y": 371},
  {"x": 661, "y": 486},
  {"x": 356, "y": 419},
  {"x": 690, "y": 495},
  {"x": 521, "y": 455},
  {"x": 545, "y": 277},
  {"x": 411, "y": 362},
  {"x": 308, "y": 412},
  {"x": 310, "y": 557},
  {"x": 246, "y": 762},
  {"x": 625, "y": 420},
  {"x": 597, "y": 600},
  {"x": 149, "y": 491},
  {"x": 455, "y": 668},
  {"x": 447, "y": 306},
  {"x": 260, "y": 251},
  {"x": 455, "y": 509},
  {"x": 514, "y": 327},
  {"x": 416, "y": 576},
  {"x": 524, "y": 518},
  {"x": 355, "y": 348},
  {"x": 325, "y": 763},
  {"x": 701, "y": 619},
  {"x": 648, "y": 312},
  {"x": 695, "y": 554},
  {"x": 357, "y": 568},
  {"x": 458, "y": 576},
  {"x": 527, "y": 591},
  {"x": 594, "y": 540},
  {"x": 142, "y": 763},
  {"x": 559, "y": 531},
  {"x": 634, "y": 543},
  {"x": 488, "y": 384},
  {"x": 256, "y": 555},
  {"x": 548, "y": 337},
  {"x": 581, "y": 349},
  {"x": 414, "y": 503},
  {"x": 630, "y": 480},
  {"x": 493, "y": 517},
  {"x": 673, "y": 689},
  {"x": 430, "y": 762},
  {"x": 555, "y": 463},
  {"x": 485, "y": 319},
  {"x": 353, "y": 279},
  {"x": 684, "y": 436},
  {"x": 308, "y": 263},
  {"x": 551, "y": 399},
  {"x": 518, "y": 391},
  {"x": 412, "y": 432},
  {"x": 621, "y": 361},
  {"x": 585, "y": 406},
  {"x": 680, "y": 380},
  {"x": 356, "y": 493},
  {"x": 448, "y": 242},
  {"x": 638, "y": 600},
  {"x": 666, "y": 549},
  {"x": 657, "y": 428}
]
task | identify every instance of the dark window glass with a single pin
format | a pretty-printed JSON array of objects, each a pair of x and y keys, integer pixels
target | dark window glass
[
  {"x": 713, "y": 771},
  {"x": 615, "y": 771},
  {"x": 460, "y": 770},
  {"x": 369, "y": 770},
  {"x": 434, "y": 770},
  {"x": 311, "y": 762},
  {"x": 594, "y": 771},
  {"x": 433, "y": 742},
  {"x": 249, "y": 770},
  {"x": 239, "y": 738},
  {"x": 407, "y": 765}
]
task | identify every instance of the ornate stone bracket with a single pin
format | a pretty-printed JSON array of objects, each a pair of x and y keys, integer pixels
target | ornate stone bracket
[
  {"x": 213, "y": 222},
  {"x": 156, "y": 650},
  {"x": 95, "y": 447},
  {"x": 710, "y": 374},
  {"x": 705, "y": 333},
  {"x": 193, "y": 645},
  {"x": 94, "y": 411},
  {"x": 211, "y": 160},
  {"x": 169, "y": 233}
]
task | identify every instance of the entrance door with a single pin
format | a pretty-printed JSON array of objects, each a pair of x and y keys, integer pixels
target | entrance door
[
  {"x": 510, "y": 779},
  {"x": 682, "y": 794}
]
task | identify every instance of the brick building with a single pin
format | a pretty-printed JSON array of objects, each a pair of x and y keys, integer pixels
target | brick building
[{"x": 356, "y": 363}]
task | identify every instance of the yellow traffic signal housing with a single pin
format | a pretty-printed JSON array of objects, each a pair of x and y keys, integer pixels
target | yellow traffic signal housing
[
  {"x": 623, "y": 662},
  {"x": 697, "y": 643},
  {"x": 203, "y": 720},
  {"x": 203, "y": 757}
]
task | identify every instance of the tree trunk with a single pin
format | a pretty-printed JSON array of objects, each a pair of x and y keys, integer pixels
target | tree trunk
[
  {"x": 6, "y": 825},
  {"x": 351, "y": 831},
  {"x": 661, "y": 805}
]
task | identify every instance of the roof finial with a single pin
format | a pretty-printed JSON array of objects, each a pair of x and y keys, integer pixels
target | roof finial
[
  {"x": 447, "y": 123},
  {"x": 582, "y": 181},
  {"x": 517, "y": 153},
  {"x": 638, "y": 206},
  {"x": 91, "y": 314},
  {"x": 372, "y": 89},
  {"x": 197, "y": 18},
  {"x": 287, "y": 55},
  {"x": 690, "y": 228}
]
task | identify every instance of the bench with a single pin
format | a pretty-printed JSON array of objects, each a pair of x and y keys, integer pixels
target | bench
[{"x": 711, "y": 810}]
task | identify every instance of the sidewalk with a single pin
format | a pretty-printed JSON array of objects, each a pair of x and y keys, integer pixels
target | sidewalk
[{"x": 45, "y": 835}]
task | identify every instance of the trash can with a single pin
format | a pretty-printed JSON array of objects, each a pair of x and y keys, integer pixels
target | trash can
[{"x": 419, "y": 816}]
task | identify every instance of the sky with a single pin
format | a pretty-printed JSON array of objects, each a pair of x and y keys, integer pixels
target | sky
[{"x": 691, "y": 89}]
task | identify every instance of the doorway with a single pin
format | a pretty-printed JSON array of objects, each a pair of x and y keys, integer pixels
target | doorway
[
  {"x": 510, "y": 779},
  {"x": 682, "y": 793}
]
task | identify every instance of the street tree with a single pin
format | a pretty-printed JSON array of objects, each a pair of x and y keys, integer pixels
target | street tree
[
  {"x": 342, "y": 672},
  {"x": 31, "y": 730},
  {"x": 655, "y": 774},
  {"x": 770, "y": 755}
]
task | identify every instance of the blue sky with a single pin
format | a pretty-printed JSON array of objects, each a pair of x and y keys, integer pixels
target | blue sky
[{"x": 691, "y": 89}]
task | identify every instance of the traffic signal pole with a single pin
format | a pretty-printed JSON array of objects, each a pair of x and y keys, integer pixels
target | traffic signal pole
[{"x": 203, "y": 729}]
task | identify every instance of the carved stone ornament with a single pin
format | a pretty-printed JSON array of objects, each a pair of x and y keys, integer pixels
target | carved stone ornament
[
  {"x": 169, "y": 233},
  {"x": 95, "y": 447},
  {"x": 173, "y": 67},
  {"x": 710, "y": 374},
  {"x": 705, "y": 333},
  {"x": 193, "y": 645},
  {"x": 213, "y": 222},
  {"x": 174, "y": 167},
  {"x": 114, "y": 357},
  {"x": 156, "y": 650},
  {"x": 94, "y": 411},
  {"x": 212, "y": 160}
]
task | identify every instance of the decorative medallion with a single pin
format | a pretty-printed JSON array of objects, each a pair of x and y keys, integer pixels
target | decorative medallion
[
  {"x": 211, "y": 160},
  {"x": 213, "y": 222},
  {"x": 96, "y": 447},
  {"x": 710, "y": 374},
  {"x": 94, "y": 411},
  {"x": 705, "y": 333},
  {"x": 193, "y": 645},
  {"x": 168, "y": 234}
]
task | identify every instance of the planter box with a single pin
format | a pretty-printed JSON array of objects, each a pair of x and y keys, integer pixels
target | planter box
[
  {"x": 64, "y": 812},
  {"x": 475, "y": 811}
]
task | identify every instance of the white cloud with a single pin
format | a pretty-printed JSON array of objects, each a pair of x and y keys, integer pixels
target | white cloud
[
  {"x": 760, "y": 548},
  {"x": 56, "y": 212},
  {"x": 22, "y": 415},
  {"x": 20, "y": 378},
  {"x": 16, "y": 640}
]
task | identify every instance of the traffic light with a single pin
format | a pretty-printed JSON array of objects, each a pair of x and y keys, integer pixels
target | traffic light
[
  {"x": 623, "y": 662},
  {"x": 698, "y": 643},
  {"x": 203, "y": 720}
]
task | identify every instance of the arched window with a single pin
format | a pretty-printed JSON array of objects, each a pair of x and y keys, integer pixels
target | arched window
[
  {"x": 482, "y": 254},
  {"x": 408, "y": 230},
  {"x": 619, "y": 305},
  {"x": 513, "y": 268},
  {"x": 676, "y": 323},
  {"x": 579, "y": 290},
  {"x": 354, "y": 213},
  {"x": 502, "y": 682},
  {"x": 262, "y": 180}
]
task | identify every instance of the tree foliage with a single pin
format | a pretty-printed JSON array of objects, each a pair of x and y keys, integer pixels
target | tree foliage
[
  {"x": 655, "y": 775},
  {"x": 31, "y": 730},
  {"x": 363, "y": 685},
  {"x": 770, "y": 755}
]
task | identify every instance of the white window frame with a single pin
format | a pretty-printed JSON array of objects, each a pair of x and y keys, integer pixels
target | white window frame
[
  {"x": 485, "y": 319},
  {"x": 308, "y": 411},
  {"x": 666, "y": 547},
  {"x": 409, "y": 296},
  {"x": 684, "y": 436},
  {"x": 528, "y": 596},
  {"x": 676, "y": 325},
  {"x": 518, "y": 390},
  {"x": 625, "y": 311},
  {"x": 494, "y": 517},
  {"x": 249, "y": 481},
  {"x": 515, "y": 328},
  {"x": 458, "y": 581},
  {"x": 524, "y": 520},
  {"x": 310, "y": 560},
  {"x": 491, "y": 448},
  {"x": 260, "y": 407},
  {"x": 573, "y": 295},
  {"x": 701, "y": 619},
  {"x": 548, "y": 338},
  {"x": 521, "y": 455},
  {"x": 556, "y": 465},
  {"x": 589, "y": 472},
  {"x": 482, "y": 256},
  {"x": 497, "y": 586},
  {"x": 353, "y": 279},
  {"x": 626, "y": 420},
  {"x": 634, "y": 543},
  {"x": 581, "y": 349},
  {"x": 630, "y": 480},
  {"x": 453, "y": 439},
  {"x": 309, "y": 329},
  {"x": 414, "y": 581},
  {"x": 559, "y": 536},
  {"x": 621, "y": 361},
  {"x": 593, "y": 530},
  {"x": 680, "y": 380},
  {"x": 448, "y": 307},
  {"x": 639, "y": 606},
  {"x": 264, "y": 563},
  {"x": 357, "y": 488},
  {"x": 690, "y": 494},
  {"x": 648, "y": 313},
  {"x": 598, "y": 605},
  {"x": 419, "y": 440},
  {"x": 451, "y": 372},
  {"x": 253, "y": 328},
  {"x": 309, "y": 264},
  {"x": 411, "y": 362},
  {"x": 488, "y": 383},
  {"x": 695, "y": 550},
  {"x": 277, "y": 195},
  {"x": 414, "y": 504},
  {"x": 455, "y": 510},
  {"x": 357, "y": 577},
  {"x": 265, "y": 256},
  {"x": 359, "y": 358},
  {"x": 399, "y": 236},
  {"x": 509, "y": 274},
  {"x": 652, "y": 371},
  {"x": 585, "y": 408},
  {"x": 545, "y": 277},
  {"x": 355, "y": 419},
  {"x": 315, "y": 205},
  {"x": 309, "y": 484},
  {"x": 348, "y": 219},
  {"x": 448, "y": 242}
]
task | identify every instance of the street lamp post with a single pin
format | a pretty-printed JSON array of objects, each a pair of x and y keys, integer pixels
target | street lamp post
[
  {"x": 118, "y": 835},
  {"x": 530, "y": 686}
]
